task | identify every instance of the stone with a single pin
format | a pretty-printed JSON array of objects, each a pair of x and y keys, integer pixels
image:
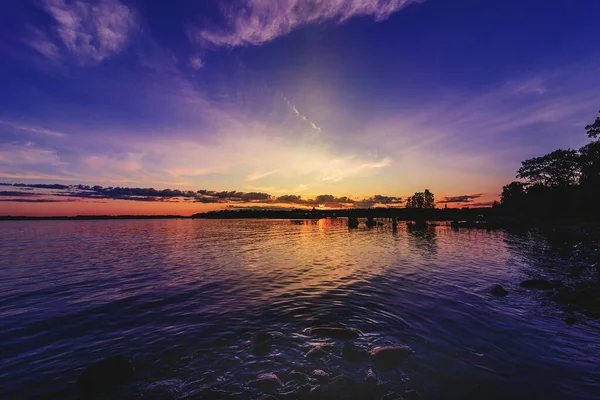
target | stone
[
  {"x": 335, "y": 333},
  {"x": 104, "y": 375},
  {"x": 261, "y": 343},
  {"x": 538, "y": 284},
  {"x": 571, "y": 320},
  {"x": 297, "y": 376},
  {"x": 499, "y": 291},
  {"x": 370, "y": 378},
  {"x": 353, "y": 353},
  {"x": 266, "y": 382},
  {"x": 319, "y": 351},
  {"x": 389, "y": 357},
  {"x": 339, "y": 387},
  {"x": 320, "y": 376}
]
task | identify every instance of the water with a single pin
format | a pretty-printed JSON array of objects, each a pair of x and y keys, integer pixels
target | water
[{"x": 182, "y": 298}]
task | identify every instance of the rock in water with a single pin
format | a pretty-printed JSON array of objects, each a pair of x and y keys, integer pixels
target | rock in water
[
  {"x": 319, "y": 351},
  {"x": 390, "y": 357},
  {"x": 266, "y": 382},
  {"x": 537, "y": 284},
  {"x": 499, "y": 291},
  {"x": 336, "y": 333},
  {"x": 261, "y": 343},
  {"x": 104, "y": 375},
  {"x": 320, "y": 376},
  {"x": 340, "y": 387},
  {"x": 352, "y": 353},
  {"x": 370, "y": 378}
]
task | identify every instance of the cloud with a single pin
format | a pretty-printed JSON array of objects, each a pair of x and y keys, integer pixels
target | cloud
[
  {"x": 33, "y": 129},
  {"x": 532, "y": 86},
  {"x": 302, "y": 116},
  {"x": 196, "y": 63},
  {"x": 27, "y": 154},
  {"x": 57, "y": 192},
  {"x": 255, "y": 22},
  {"x": 465, "y": 198},
  {"x": 40, "y": 42},
  {"x": 90, "y": 32},
  {"x": 339, "y": 169},
  {"x": 259, "y": 175}
]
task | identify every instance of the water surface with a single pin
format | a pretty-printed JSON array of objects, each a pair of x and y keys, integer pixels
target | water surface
[{"x": 182, "y": 298}]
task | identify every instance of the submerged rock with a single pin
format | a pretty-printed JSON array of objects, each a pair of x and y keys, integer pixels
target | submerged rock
[
  {"x": 538, "y": 284},
  {"x": 353, "y": 353},
  {"x": 266, "y": 382},
  {"x": 499, "y": 291},
  {"x": 336, "y": 333},
  {"x": 261, "y": 343},
  {"x": 389, "y": 357},
  {"x": 104, "y": 375},
  {"x": 320, "y": 376},
  {"x": 319, "y": 351},
  {"x": 297, "y": 376},
  {"x": 370, "y": 378},
  {"x": 571, "y": 320},
  {"x": 340, "y": 387}
]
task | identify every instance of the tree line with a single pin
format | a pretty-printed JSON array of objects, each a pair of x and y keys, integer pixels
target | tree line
[{"x": 563, "y": 183}]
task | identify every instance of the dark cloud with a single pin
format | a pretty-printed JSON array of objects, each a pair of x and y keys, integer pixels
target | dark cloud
[
  {"x": 481, "y": 204},
  {"x": 41, "y": 186},
  {"x": 14, "y": 193},
  {"x": 200, "y": 196},
  {"x": 465, "y": 198},
  {"x": 36, "y": 201}
]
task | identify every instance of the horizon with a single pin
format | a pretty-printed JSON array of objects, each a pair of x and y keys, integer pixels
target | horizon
[{"x": 366, "y": 101}]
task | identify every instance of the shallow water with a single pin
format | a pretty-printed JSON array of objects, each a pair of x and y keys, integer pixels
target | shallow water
[{"x": 182, "y": 298}]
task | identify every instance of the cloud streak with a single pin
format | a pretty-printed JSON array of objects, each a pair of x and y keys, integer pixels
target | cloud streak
[
  {"x": 302, "y": 116},
  {"x": 465, "y": 198},
  {"x": 33, "y": 129},
  {"x": 255, "y": 22}
]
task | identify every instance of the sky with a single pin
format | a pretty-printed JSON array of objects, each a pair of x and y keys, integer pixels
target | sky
[{"x": 278, "y": 102}]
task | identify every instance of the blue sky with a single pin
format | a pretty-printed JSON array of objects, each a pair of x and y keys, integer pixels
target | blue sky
[{"x": 345, "y": 97}]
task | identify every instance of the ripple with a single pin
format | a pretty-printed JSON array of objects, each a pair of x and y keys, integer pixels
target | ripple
[{"x": 183, "y": 298}]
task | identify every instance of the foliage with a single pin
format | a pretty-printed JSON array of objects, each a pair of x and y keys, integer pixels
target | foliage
[
  {"x": 564, "y": 183},
  {"x": 559, "y": 168},
  {"x": 421, "y": 200},
  {"x": 593, "y": 130}
]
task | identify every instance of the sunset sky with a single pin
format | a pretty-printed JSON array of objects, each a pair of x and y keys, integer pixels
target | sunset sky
[{"x": 277, "y": 98}]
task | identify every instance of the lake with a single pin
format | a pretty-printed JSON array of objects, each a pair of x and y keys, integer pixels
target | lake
[{"x": 183, "y": 298}]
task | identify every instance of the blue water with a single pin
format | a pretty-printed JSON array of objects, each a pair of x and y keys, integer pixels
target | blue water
[{"x": 182, "y": 299}]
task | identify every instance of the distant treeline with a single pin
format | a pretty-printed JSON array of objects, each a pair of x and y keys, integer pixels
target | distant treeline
[
  {"x": 406, "y": 214},
  {"x": 89, "y": 217},
  {"x": 561, "y": 184}
]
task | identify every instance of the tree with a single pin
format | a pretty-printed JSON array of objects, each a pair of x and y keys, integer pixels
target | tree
[
  {"x": 421, "y": 200},
  {"x": 593, "y": 130},
  {"x": 513, "y": 195},
  {"x": 561, "y": 168}
]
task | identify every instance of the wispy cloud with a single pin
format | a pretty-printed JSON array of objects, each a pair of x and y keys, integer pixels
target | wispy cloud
[
  {"x": 254, "y": 22},
  {"x": 27, "y": 154},
  {"x": 259, "y": 175},
  {"x": 196, "y": 62},
  {"x": 33, "y": 129},
  {"x": 40, "y": 41},
  {"x": 90, "y": 32},
  {"x": 302, "y": 116},
  {"x": 465, "y": 198}
]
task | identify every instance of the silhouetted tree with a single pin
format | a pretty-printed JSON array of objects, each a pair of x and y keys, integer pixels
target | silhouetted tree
[
  {"x": 560, "y": 168},
  {"x": 513, "y": 196},
  {"x": 421, "y": 200},
  {"x": 593, "y": 130}
]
